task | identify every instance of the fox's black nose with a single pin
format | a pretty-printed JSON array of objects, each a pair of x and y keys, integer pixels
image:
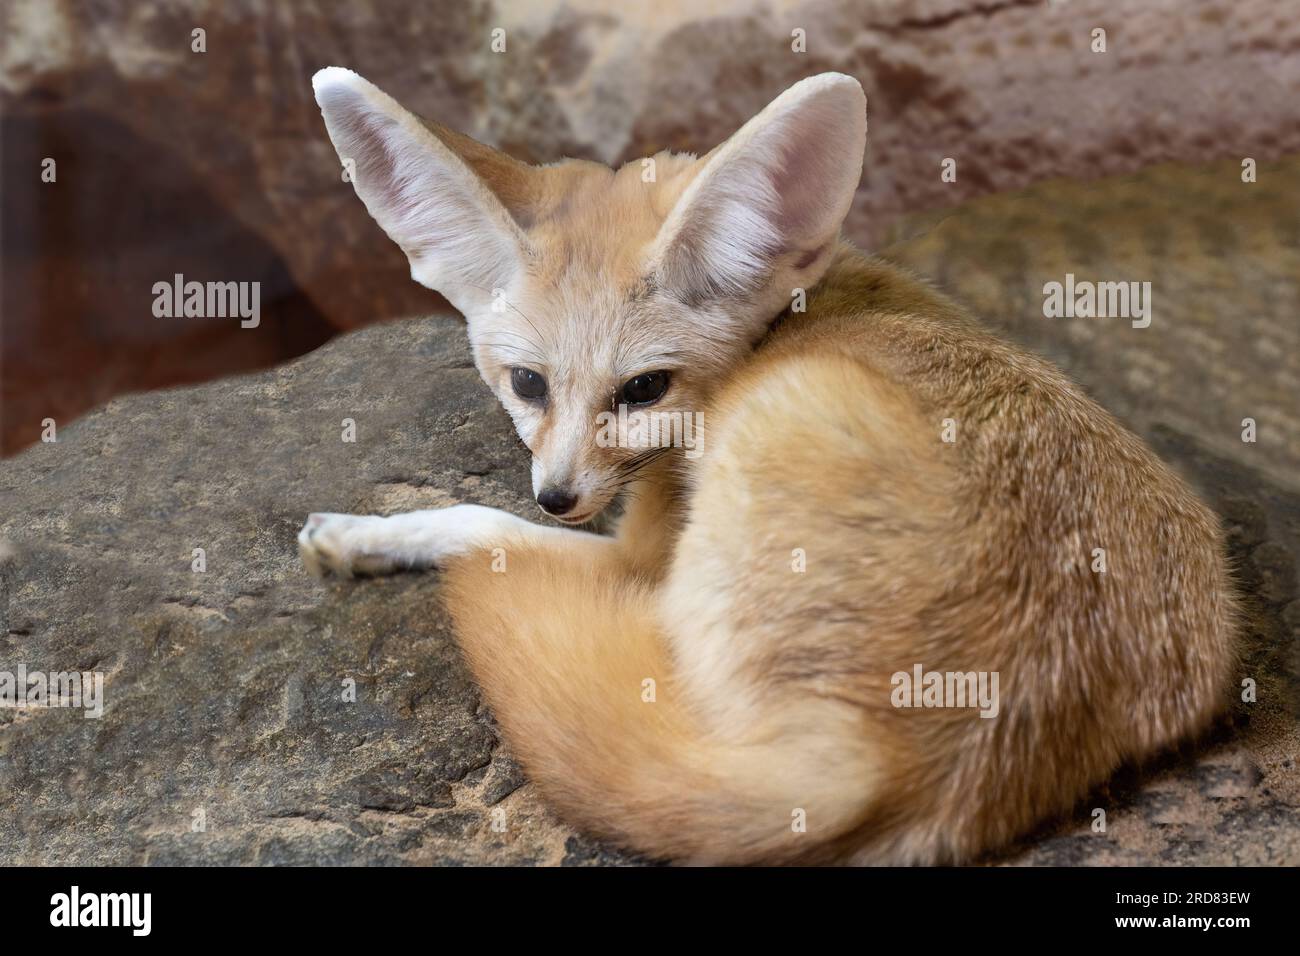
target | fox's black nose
[{"x": 556, "y": 502}]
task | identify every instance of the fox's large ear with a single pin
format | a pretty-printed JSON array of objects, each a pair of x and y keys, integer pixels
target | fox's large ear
[
  {"x": 456, "y": 207},
  {"x": 767, "y": 204}
]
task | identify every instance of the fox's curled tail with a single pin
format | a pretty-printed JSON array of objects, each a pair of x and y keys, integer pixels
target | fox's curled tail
[
  {"x": 574, "y": 667},
  {"x": 708, "y": 718}
]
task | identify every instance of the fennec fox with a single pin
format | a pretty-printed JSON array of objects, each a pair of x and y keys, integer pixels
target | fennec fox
[{"x": 887, "y": 510}]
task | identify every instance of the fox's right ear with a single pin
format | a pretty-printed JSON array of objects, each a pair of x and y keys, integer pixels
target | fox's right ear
[
  {"x": 457, "y": 208},
  {"x": 764, "y": 209}
]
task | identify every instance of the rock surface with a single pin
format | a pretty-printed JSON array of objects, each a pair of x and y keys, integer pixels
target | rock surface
[{"x": 226, "y": 688}]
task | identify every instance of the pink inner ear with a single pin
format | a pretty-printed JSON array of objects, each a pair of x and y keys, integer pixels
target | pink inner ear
[
  {"x": 813, "y": 147},
  {"x": 811, "y": 256},
  {"x": 363, "y": 135},
  {"x": 360, "y": 128},
  {"x": 427, "y": 200},
  {"x": 782, "y": 192}
]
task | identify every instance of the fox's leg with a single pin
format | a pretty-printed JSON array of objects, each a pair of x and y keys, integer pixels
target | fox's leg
[{"x": 371, "y": 544}]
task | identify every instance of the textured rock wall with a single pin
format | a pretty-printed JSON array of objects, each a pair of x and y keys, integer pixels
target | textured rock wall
[{"x": 216, "y": 164}]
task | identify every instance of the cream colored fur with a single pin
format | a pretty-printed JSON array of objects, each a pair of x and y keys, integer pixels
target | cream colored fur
[{"x": 713, "y": 682}]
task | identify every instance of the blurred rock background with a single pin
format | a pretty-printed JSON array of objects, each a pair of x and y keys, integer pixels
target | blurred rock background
[
  {"x": 216, "y": 165},
  {"x": 223, "y": 687}
]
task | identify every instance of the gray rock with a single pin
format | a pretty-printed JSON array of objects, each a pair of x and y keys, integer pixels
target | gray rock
[
  {"x": 226, "y": 692},
  {"x": 226, "y": 689}
]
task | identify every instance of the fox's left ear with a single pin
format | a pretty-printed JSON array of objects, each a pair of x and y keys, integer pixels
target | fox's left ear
[
  {"x": 457, "y": 208},
  {"x": 766, "y": 206}
]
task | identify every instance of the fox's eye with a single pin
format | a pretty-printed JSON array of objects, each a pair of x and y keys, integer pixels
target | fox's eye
[
  {"x": 645, "y": 388},
  {"x": 527, "y": 383}
]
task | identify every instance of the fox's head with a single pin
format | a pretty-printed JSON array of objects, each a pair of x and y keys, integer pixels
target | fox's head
[{"x": 586, "y": 288}]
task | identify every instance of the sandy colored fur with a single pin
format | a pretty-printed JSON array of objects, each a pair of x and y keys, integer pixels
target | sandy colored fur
[
  {"x": 973, "y": 555},
  {"x": 828, "y": 538}
]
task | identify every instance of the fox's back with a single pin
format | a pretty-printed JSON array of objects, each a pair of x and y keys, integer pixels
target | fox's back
[{"x": 959, "y": 506}]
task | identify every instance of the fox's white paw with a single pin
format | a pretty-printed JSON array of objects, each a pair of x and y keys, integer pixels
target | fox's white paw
[
  {"x": 345, "y": 545},
  {"x": 368, "y": 544}
]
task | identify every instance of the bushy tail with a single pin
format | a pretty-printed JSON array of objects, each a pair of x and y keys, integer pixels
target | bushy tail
[{"x": 570, "y": 658}]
